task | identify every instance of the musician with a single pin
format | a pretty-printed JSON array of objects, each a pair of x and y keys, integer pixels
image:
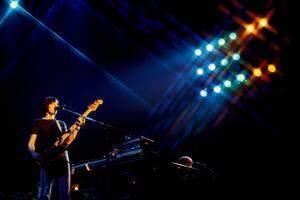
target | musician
[
  {"x": 192, "y": 179},
  {"x": 49, "y": 148},
  {"x": 186, "y": 161}
]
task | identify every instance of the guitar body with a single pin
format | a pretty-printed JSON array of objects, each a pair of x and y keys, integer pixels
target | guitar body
[{"x": 53, "y": 153}]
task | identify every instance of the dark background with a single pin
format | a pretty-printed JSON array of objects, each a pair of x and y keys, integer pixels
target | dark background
[{"x": 132, "y": 53}]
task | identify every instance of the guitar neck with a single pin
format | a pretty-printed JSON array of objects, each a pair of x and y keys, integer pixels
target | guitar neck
[
  {"x": 86, "y": 113},
  {"x": 67, "y": 138}
]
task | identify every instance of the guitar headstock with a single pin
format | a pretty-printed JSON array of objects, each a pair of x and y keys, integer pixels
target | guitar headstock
[{"x": 94, "y": 106}]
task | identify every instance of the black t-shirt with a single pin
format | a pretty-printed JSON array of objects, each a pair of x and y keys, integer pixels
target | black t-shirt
[{"x": 48, "y": 131}]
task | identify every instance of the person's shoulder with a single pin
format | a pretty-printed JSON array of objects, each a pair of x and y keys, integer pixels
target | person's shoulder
[
  {"x": 36, "y": 123},
  {"x": 37, "y": 120}
]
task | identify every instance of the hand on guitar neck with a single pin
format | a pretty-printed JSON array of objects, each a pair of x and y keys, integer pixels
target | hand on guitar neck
[
  {"x": 73, "y": 130},
  {"x": 71, "y": 134}
]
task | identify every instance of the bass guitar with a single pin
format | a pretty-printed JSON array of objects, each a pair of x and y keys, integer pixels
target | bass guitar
[{"x": 64, "y": 141}]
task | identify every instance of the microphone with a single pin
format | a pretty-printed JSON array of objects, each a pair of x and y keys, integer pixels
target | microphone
[{"x": 60, "y": 107}]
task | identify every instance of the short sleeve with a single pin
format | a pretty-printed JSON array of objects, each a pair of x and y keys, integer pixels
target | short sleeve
[{"x": 34, "y": 127}]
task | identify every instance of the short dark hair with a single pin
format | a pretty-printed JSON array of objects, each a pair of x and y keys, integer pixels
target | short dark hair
[{"x": 48, "y": 100}]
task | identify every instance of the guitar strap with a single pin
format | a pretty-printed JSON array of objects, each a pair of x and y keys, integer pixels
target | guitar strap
[
  {"x": 60, "y": 129},
  {"x": 58, "y": 125},
  {"x": 64, "y": 147},
  {"x": 53, "y": 150}
]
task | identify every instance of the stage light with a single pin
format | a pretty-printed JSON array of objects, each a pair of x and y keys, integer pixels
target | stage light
[
  {"x": 236, "y": 56},
  {"x": 212, "y": 67},
  {"x": 199, "y": 71},
  {"x": 240, "y": 77},
  {"x": 271, "y": 68},
  {"x": 209, "y": 47},
  {"x": 198, "y": 52},
  {"x": 203, "y": 93},
  {"x": 250, "y": 28},
  {"x": 217, "y": 89},
  {"x": 257, "y": 72},
  {"x": 224, "y": 61},
  {"x": 13, "y": 4},
  {"x": 227, "y": 83},
  {"x": 232, "y": 36},
  {"x": 221, "y": 41},
  {"x": 263, "y": 22}
]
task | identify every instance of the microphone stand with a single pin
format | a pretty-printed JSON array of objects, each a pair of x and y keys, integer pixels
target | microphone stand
[{"x": 88, "y": 118}]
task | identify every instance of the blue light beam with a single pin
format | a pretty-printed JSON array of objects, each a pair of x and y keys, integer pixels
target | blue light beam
[{"x": 80, "y": 54}]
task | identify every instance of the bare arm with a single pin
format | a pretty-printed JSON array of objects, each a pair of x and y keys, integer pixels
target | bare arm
[
  {"x": 68, "y": 137},
  {"x": 71, "y": 134},
  {"x": 74, "y": 130},
  {"x": 31, "y": 146}
]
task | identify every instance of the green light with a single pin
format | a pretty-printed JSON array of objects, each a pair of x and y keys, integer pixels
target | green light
[
  {"x": 232, "y": 36},
  {"x": 224, "y": 61},
  {"x": 236, "y": 56},
  {"x": 227, "y": 83},
  {"x": 221, "y": 41},
  {"x": 240, "y": 77}
]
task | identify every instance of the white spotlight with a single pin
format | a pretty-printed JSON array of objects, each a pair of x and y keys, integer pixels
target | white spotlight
[
  {"x": 198, "y": 52},
  {"x": 209, "y": 47},
  {"x": 13, "y": 4},
  {"x": 221, "y": 41},
  {"x": 224, "y": 61},
  {"x": 227, "y": 83},
  {"x": 200, "y": 71},
  {"x": 232, "y": 36},
  {"x": 240, "y": 77},
  {"x": 212, "y": 67},
  {"x": 217, "y": 89},
  {"x": 203, "y": 93}
]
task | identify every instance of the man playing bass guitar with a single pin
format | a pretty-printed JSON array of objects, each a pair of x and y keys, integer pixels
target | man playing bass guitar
[{"x": 48, "y": 144}]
